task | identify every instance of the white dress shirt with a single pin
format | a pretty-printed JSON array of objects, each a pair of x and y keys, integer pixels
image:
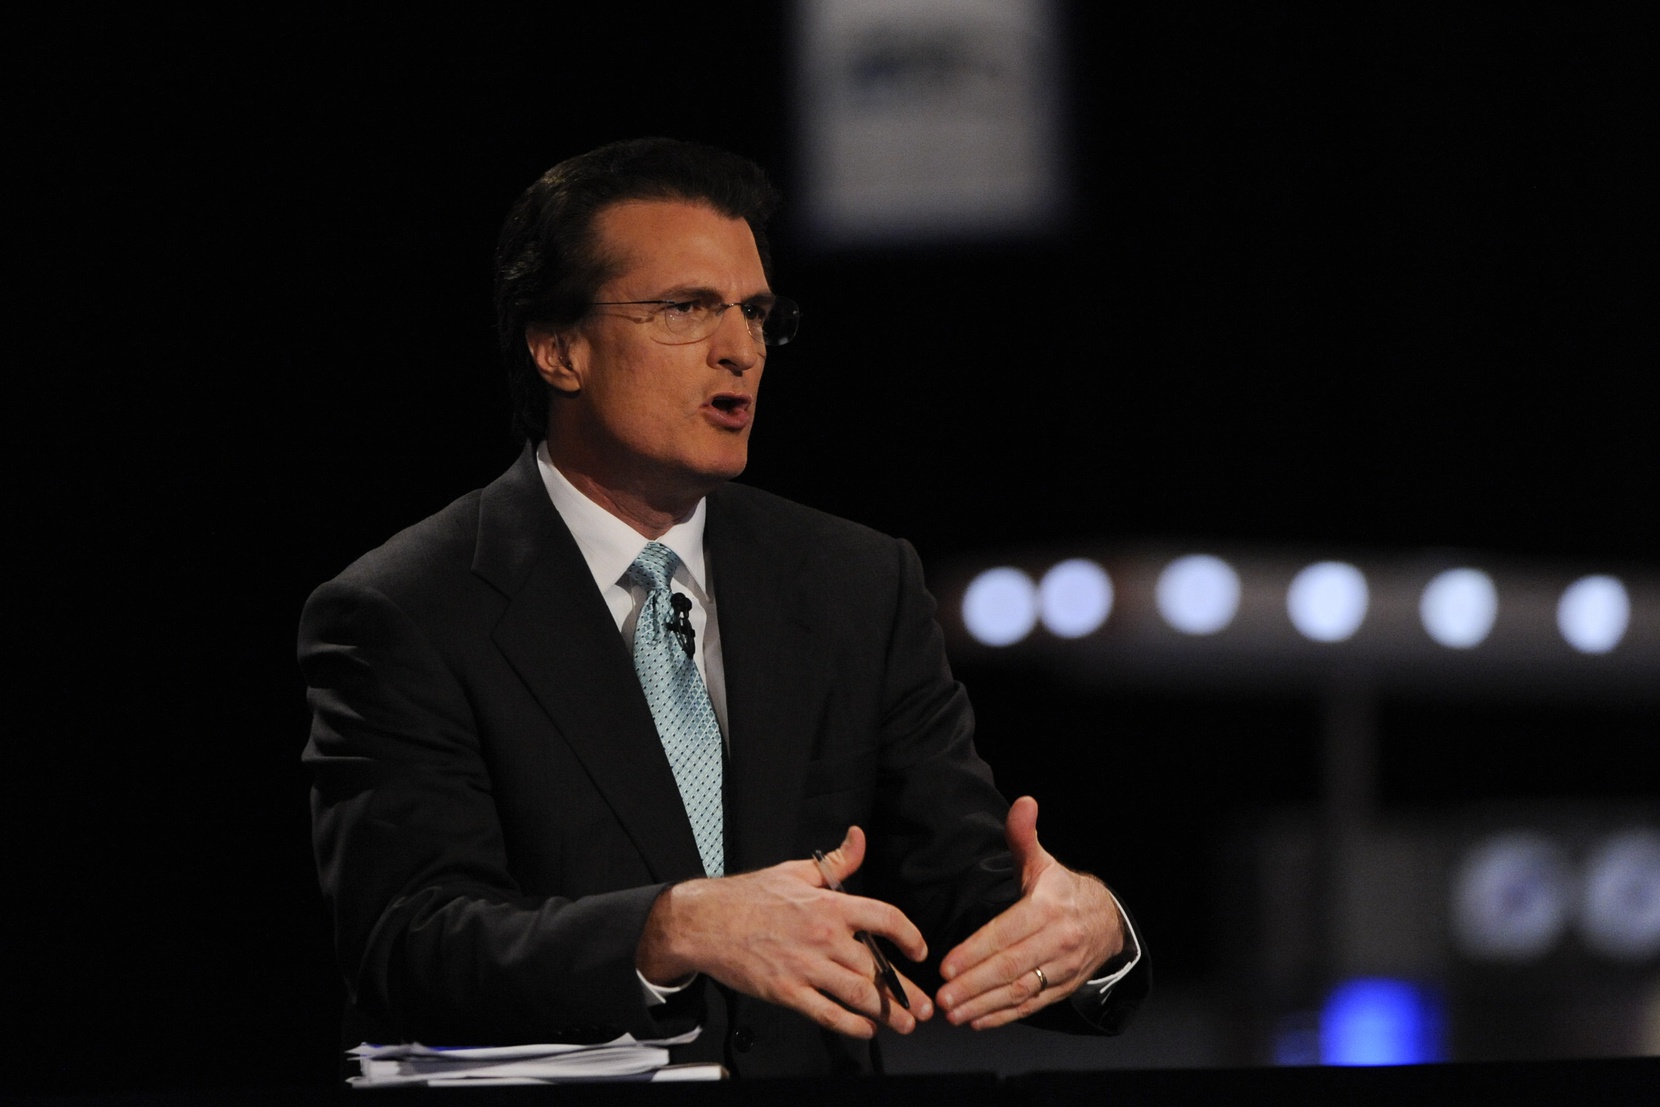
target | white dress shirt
[{"x": 609, "y": 546}]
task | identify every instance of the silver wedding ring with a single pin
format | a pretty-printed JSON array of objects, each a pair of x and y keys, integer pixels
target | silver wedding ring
[{"x": 1043, "y": 981}]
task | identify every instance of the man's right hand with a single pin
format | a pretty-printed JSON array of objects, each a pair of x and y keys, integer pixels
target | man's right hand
[{"x": 780, "y": 935}]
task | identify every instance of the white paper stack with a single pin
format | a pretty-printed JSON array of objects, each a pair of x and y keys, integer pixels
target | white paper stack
[{"x": 624, "y": 1058}]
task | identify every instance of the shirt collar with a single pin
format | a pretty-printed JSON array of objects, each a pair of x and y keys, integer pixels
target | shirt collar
[{"x": 610, "y": 545}]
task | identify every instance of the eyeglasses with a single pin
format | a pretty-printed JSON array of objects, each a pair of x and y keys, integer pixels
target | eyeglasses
[{"x": 772, "y": 320}]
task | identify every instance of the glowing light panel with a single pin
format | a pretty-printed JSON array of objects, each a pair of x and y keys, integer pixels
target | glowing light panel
[
  {"x": 1000, "y": 607},
  {"x": 1075, "y": 598},
  {"x": 1380, "y": 1022},
  {"x": 1620, "y": 913},
  {"x": 1458, "y": 608},
  {"x": 1198, "y": 594},
  {"x": 1327, "y": 601},
  {"x": 1511, "y": 898},
  {"x": 1593, "y": 614}
]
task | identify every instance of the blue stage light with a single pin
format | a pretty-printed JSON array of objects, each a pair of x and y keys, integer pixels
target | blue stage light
[
  {"x": 1075, "y": 598},
  {"x": 1327, "y": 601},
  {"x": 1458, "y": 608},
  {"x": 1198, "y": 594},
  {"x": 1594, "y": 613},
  {"x": 1001, "y": 606},
  {"x": 1374, "y": 1021}
]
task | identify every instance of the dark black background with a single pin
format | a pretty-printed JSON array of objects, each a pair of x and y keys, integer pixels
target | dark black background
[{"x": 1379, "y": 279}]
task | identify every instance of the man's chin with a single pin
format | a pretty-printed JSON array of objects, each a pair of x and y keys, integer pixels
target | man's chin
[
  {"x": 718, "y": 470},
  {"x": 694, "y": 482}
]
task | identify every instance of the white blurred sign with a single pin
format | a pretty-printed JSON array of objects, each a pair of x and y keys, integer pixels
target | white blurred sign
[{"x": 929, "y": 119}]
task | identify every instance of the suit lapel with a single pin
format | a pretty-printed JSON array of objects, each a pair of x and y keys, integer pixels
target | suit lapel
[
  {"x": 560, "y": 638},
  {"x": 771, "y": 679}
]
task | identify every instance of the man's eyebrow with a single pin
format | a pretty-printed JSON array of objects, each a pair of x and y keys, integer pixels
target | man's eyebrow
[
  {"x": 703, "y": 292},
  {"x": 690, "y": 292}
]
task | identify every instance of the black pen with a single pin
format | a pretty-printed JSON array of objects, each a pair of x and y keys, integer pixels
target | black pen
[{"x": 883, "y": 968}]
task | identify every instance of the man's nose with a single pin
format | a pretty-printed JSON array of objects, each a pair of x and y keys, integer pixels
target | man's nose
[{"x": 734, "y": 346}]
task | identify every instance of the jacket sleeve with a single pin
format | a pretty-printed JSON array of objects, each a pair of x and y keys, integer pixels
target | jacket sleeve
[{"x": 437, "y": 939}]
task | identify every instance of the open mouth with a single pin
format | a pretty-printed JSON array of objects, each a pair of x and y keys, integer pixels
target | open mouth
[{"x": 730, "y": 410}]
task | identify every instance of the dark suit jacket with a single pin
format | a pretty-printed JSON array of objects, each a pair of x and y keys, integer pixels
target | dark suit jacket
[{"x": 494, "y": 814}]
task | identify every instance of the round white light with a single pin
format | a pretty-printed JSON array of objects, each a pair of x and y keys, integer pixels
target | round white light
[
  {"x": 1593, "y": 614},
  {"x": 1511, "y": 898},
  {"x": 1198, "y": 594},
  {"x": 1621, "y": 909},
  {"x": 1327, "y": 601},
  {"x": 1458, "y": 608},
  {"x": 1000, "y": 607},
  {"x": 1075, "y": 598}
]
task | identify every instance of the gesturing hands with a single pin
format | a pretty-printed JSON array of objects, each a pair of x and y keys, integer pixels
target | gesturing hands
[
  {"x": 779, "y": 934},
  {"x": 1065, "y": 924}
]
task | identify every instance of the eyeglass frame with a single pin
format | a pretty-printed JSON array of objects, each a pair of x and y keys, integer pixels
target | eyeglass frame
[{"x": 719, "y": 308}]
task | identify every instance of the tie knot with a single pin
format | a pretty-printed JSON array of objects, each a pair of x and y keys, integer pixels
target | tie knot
[{"x": 653, "y": 568}]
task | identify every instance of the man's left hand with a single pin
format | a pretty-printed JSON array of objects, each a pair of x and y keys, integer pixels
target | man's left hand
[{"x": 1065, "y": 923}]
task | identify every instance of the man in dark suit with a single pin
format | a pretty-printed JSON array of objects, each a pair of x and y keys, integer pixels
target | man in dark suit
[{"x": 578, "y": 735}]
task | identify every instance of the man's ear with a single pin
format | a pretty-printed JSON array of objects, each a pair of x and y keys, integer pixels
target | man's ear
[{"x": 552, "y": 352}]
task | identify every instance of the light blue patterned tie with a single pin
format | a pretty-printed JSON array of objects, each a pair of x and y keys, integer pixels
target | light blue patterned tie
[{"x": 679, "y": 704}]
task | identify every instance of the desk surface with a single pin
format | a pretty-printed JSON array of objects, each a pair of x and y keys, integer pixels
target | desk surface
[{"x": 1605, "y": 1083}]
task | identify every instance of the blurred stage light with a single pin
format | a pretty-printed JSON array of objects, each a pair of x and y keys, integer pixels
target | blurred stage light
[
  {"x": 1198, "y": 594},
  {"x": 1593, "y": 614},
  {"x": 1075, "y": 598},
  {"x": 1220, "y": 618},
  {"x": 1000, "y": 607},
  {"x": 1327, "y": 601},
  {"x": 1620, "y": 912},
  {"x": 1458, "y": 608},
  {"x": 1511, "y": 898},
  {"x": 1380, "y": 1022}
]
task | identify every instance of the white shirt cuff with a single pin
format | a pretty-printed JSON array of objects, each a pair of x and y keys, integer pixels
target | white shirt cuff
[
  {"x": 658, "y": 994},
  {"x": 1131, "y": 954}
]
